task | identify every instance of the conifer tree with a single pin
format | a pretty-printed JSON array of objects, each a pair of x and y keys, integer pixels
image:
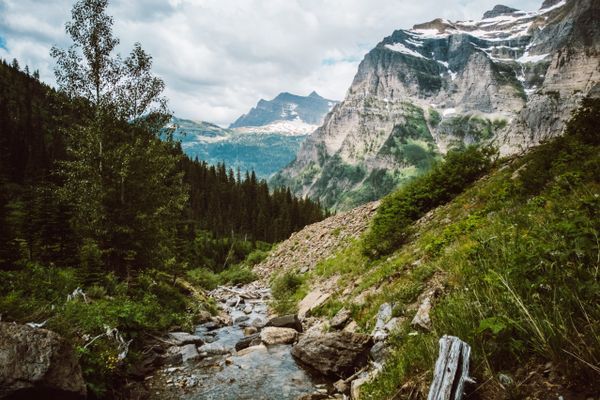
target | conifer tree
[{"x": 122, "y": 181}]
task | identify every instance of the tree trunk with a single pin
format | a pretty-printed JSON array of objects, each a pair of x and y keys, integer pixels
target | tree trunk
[{"x": 451, "y": 370}]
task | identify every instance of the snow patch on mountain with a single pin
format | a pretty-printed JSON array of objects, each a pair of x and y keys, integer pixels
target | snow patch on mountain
[{"x": 295, "y": 127}]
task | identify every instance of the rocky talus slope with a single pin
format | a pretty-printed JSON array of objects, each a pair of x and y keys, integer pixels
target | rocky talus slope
[
  {"x": 316, "y": 242},
  {"x": 511, "y": 78}
]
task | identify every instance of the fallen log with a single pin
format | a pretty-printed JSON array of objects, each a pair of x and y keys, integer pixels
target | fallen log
[{"x": 451, "y": 370}]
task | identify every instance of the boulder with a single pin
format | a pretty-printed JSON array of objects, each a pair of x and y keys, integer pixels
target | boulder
[
  {"x": 337, "y": 354},
  {"x": 202, "y": 317},
  {"x": 250, "y": 330},
  {"x": 187, "y": 352},
  {"x": 286, "y": 321},
  {"x": 340, "y": 319},
  {"x": 257, "y": 322},
  {"x": 37, "y": 363},
  {"x": 241, "y": 318},
  {"x": 311, "y": 301},
  {"x": 251, "y": 340},
  {"x": 251, "y": 349},
  {"x": 183, "y": 338},
  {"x": 379, "y": 352},
  {"x": 384, "y": 315},
  {"x": 272, "y": 335},
  {"x": 213, "y": 349}
]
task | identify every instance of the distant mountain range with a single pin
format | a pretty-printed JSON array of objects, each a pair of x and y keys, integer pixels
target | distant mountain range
[{"x": 264, "y": 140}]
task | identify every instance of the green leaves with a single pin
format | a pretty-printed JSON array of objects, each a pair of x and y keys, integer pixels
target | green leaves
[{"x": 495, "y": 325}]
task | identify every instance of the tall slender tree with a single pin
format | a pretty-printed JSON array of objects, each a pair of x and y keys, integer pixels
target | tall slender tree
[{"x": 121, "y": 178}]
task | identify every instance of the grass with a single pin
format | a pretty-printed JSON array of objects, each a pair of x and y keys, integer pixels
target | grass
[
  {"x": 287, "y": 290},
  {"x": 517, "y": 256}
]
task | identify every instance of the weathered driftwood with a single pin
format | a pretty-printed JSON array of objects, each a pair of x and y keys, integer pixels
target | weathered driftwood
[{"x": 451, "y": 370}]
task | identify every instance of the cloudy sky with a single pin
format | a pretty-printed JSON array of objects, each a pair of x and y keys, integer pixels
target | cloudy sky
[{"x": 219, "y": 57}]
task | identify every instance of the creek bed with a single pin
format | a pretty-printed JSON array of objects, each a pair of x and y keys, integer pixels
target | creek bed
[{"x": 261, "y": 372}]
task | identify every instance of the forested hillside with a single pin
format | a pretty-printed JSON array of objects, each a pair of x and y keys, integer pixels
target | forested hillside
[
  {"x": 93, "y": 202},
  {"x": 35, "y": 218}
]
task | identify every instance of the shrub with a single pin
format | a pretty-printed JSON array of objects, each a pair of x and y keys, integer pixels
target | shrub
[
  {"x": 286, "y": 290},
  {"x": 236, "y": 275},
  {"x": 203, "y": 278},
  {"x": 391, "y": 225}
]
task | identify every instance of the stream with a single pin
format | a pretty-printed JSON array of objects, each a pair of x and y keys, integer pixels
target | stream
[{"x": 221, "y": 373}]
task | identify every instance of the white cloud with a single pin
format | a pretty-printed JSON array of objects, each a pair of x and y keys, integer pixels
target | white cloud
[{"x": 219, "y": 57}]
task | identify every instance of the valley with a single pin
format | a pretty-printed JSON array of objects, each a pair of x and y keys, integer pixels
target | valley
[{"x": 434, "y": 235}]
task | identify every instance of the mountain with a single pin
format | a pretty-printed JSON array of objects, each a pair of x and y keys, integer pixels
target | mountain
[
  {"x": 287, "y": 107},
  {"x": 511, "y": 78},
  {"x": 265, "y": 140},
  {"x": 255, "y": 150}
]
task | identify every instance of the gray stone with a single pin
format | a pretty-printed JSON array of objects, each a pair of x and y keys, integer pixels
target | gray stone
[
  {"x": 37, "y": 359},
  {"x": 311, "y": 301},
  {"x": 340, "y": 319},
  {"x": 251, "y": 340},
  {"x": 286, "y": 321},
  {"x": 241, "y": 318},
  {"x": 183, "y": 338},
  {"x": 232, "y": 301},
  {"x": 334, "y": 354},
  {"x": 213, "y": 349},
  {"x": 379, "y": 352},
  {"x": 422, "y": 318},
  {"x": 251, "y": 349},
  {"x": 188, "y": 352},
  {"x": 272, "y": 335}
]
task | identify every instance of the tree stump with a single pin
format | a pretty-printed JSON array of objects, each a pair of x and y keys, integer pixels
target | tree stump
[{"x": 451, "y": 370}]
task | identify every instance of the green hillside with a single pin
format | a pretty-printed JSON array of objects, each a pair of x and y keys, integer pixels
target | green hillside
[{"x": 511, "y": 264}]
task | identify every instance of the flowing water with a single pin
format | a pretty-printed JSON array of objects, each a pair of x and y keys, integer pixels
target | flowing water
[{"x": 261, "y": 373}]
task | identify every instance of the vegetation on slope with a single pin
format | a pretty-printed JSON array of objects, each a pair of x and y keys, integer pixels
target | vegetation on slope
[{"x": 513, "y": 259}]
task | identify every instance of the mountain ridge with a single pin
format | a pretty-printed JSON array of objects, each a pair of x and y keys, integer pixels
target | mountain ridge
[
  {"x": 510, "y": 79},
  {"x": 286, "y": 107},
  {"x": 265, "y": 140}
]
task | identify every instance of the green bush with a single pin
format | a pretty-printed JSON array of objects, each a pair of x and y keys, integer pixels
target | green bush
[
  {"x": 203, "y": 277},
  {"x": 286, "y": 291},
  {"x": 391, "y": 225},
  {"x": 237, "y": 274}
]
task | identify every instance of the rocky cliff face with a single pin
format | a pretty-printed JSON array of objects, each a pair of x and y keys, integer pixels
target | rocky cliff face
[{"x": 511, "y": 78}]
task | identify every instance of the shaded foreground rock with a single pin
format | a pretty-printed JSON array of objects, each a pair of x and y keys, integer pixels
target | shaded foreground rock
[
  {"x": 39, "y": 362},
  {"x": 286, "y": 321},
  {"x": 334, "y": 354},
  {"x": 248, "y": 341}
]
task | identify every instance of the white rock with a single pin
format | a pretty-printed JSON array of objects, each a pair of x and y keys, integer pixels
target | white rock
[{"x": 422, "y": 318}]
